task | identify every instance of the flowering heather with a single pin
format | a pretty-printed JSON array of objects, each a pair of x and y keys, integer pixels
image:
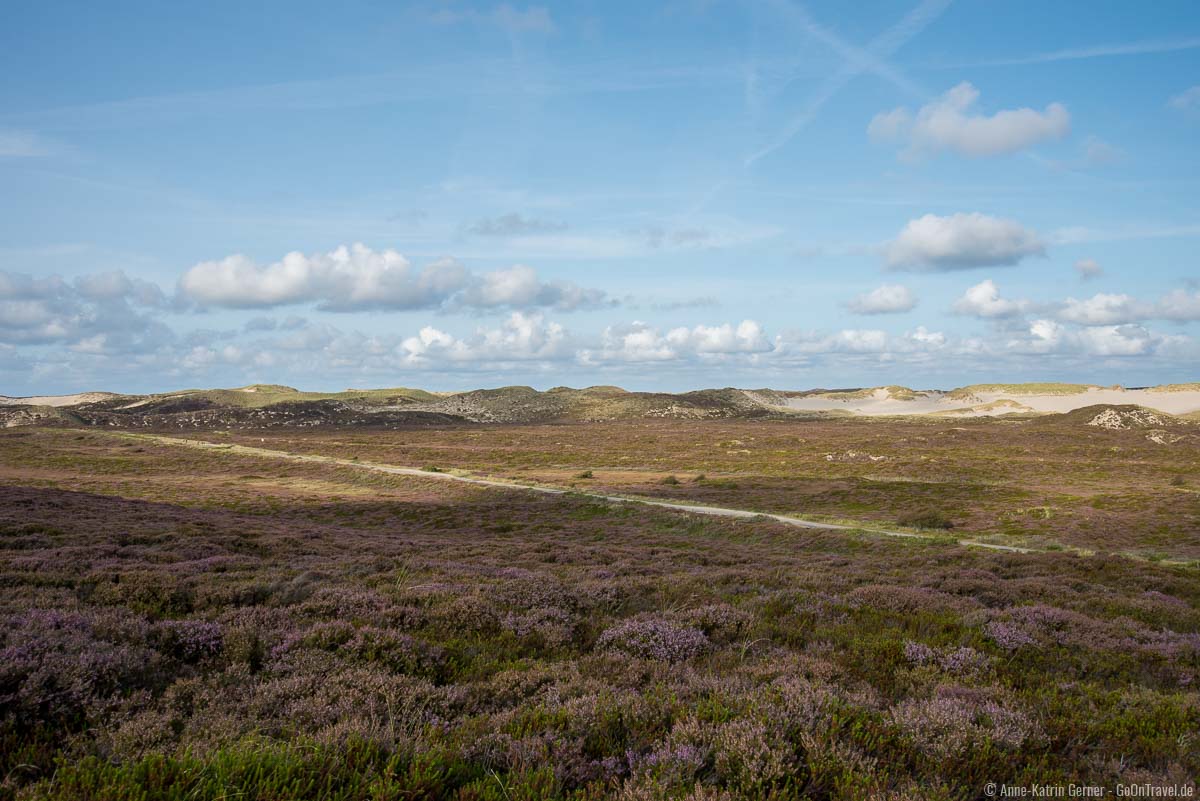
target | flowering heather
[
  {"x": 553, "y": 626},
  {"x": 670, "y": 764},
  {"x": 953, "y": 720},
  {"x": 751, "y": 756},
  {"x": 917, "y": 653},
  {"x": 1009, "y": 636},
  {"x": 212, "y": 625},
  {"x": 719, "y": 621},
  {"x": 652, "y": 638},
  {"x": 191, "y": 640}
]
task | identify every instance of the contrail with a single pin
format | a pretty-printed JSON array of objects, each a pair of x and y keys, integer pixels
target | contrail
[
  {"x": 852, "y": 54},
  {"x": 1097, "y": 51},
  {"x": 880, "y": 48}
]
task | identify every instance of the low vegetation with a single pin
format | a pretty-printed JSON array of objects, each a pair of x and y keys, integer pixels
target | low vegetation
[
  {"x": 186, "y": 624},
  {"x": 1098, "y": 489}
]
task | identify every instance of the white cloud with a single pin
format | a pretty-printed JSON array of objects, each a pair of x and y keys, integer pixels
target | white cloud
[
  {"x": 1104, "y": 309},
  {"x": 1050, "y": 337},
  {"x": 1115, "y": 309},
  {"x": 344, "y": 279},
  {"x": 640, "y": 342},
  {"x": 100, "y": 310},
  {"x": 522, "y": 337},
  {"x": 519, "y": 287},
  {"x": 887, "y": 126},
  {"x": 961, "y": 241},
  {"x": 746, "y": 337},
  {"x": 1187, "y": 100},
  {"x": 358, "y": 278},
  {"x": 983, "y": 300},
  {"x": 886, "y": 299},
  {"x": 1179, "y": 305},
  {"x": 949, "y": 123},
  {"x": 1116, "y": 340},
  {"x": 1088, "y": 269},
  {"x": 858, "y": 344}
]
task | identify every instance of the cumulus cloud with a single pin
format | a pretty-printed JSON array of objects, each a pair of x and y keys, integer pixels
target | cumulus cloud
[
  {"x": 951, "y": 123},
  {"x": 1048, "y": 336},
  {"x": 514, "y": 225},
  {"x": 358, "y": 278},
  {"x": 641, "y": 342},
  {"x": 1104, "y": 309},
  {"x": 1180, "y": 305},
  {"x": 97, "y": 312},
  {"x": 345, "y": 279},
  {"x": 859, "y": 344},
  {"x": 886, "y": 299},
  {"x": 1115, "y": 309},
  {"x": 983, "y": 300},
  {"x": 960, "y": 242},
  {"x": 1088, "y": 269},
  {"x": 522, "y": 337},
  {"x": 519, "y": 287}
]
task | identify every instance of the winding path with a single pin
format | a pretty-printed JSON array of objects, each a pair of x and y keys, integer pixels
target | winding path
[{"x": 714, "y": 511}]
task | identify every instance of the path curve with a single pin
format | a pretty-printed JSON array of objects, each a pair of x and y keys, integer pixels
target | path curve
[{"x": 714, "y": 511}]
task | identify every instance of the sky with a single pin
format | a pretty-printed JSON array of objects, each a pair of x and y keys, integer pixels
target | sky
[{"x": 664, "y": 196}]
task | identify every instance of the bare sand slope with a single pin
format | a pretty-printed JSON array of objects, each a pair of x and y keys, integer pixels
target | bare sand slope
[
  {"x": 57, "y": 400},
  {"x": 884, "y": 401}
]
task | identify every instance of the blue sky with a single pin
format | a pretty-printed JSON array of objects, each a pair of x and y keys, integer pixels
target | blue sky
[{"x": 663, "y": 196}]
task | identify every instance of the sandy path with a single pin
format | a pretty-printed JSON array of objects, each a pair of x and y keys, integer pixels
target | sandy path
[{"x": 715, "y": 511}]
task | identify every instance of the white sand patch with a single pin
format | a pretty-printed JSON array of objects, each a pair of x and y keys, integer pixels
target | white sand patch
[
  {"x": 993, "y": 403},
  {"x": 57, "y": 400}
]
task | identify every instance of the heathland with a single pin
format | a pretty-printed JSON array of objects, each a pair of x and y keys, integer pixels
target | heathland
[{"x": 190, "y": 622}]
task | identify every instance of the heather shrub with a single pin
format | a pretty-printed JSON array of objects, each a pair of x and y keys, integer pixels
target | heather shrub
[
  {"x": 54, "y": 663},
  {"x": 155, "y": 595},
  {"x": 189, "y": 641},
  {"x": 654, "y": 638},
  {"x": 1009, "y": 636},
  {"x": 719, "y": 622},
  {"x": 962, "y": 661},
  {"x": 669, "y": 765},
  {"x": 751, "y": 756},
  {"x": 927, "y": 518},
  {"x": 908, "y": 600},
  {"x": 954, "y": 719},
  {"x": 550, "y": 626}
]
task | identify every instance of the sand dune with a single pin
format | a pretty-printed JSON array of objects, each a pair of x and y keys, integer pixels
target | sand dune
[
  {"x": 57, "y": 400},
  {"x": 993, "y": 402}
]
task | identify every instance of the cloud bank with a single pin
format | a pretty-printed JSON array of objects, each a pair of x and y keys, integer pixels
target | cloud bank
[{"x": 358, "y": 278}]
